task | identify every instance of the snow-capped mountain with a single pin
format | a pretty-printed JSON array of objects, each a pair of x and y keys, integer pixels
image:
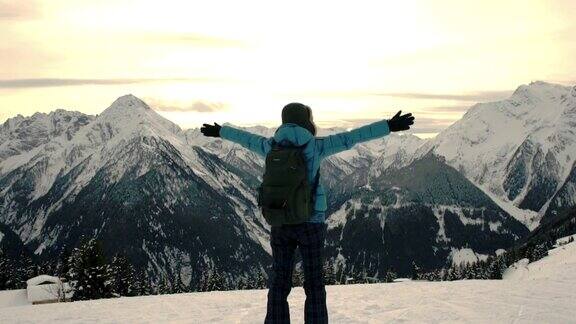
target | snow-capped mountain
[
  {"x": 130, "y": 178},
  {"x": 521, "y": 151},
  {"x": 424, "y": 212},
  {"x": 481, "y": 149},
  {"x": 442, "y": 195},
  {"x": 21, "y": 135},
  {"x": 178, "y": 203}
]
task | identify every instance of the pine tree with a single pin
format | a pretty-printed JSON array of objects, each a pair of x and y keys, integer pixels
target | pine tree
[
  {"x": 457, "y": 272},
  {"x": 329, "y": 274},
  {"x": 297, "y": 277},
  {"x": 47, "y": 267},
  {"x": 155, "y": 287},
  {"x": 26, "y": 269},
  {"x": 449, "y": 274},
  {"x": 494, "y": 270},
  {"x": 252, "y": 279},
  {"x": 261, "y": 281},
  {"x": 12, "y": 274},
  {"x": 216, "y": 281},
  {"x": 240, "y": 283},
  {"x": 62, "y": 264},
  {"x": 472, "y": 270},
  {"x": 201, "y": 278},
  {"x": 341, "y": 275},
  {"x": 443, "y": 274},
  {"x": 390, "y": 276},
  {"x": 143, "y": 285},
  {"x": 89, "y": 274},
  {"x": 539, "y": 251},
  {"x": 123, "y": 276},
  {"x": 164, "y": 287},
  {"x": 203, "y": 284},
  {"x": 415, "y": 270},
  {"x": 5, "y": 271},
  {"x": 179, "y": 286}
]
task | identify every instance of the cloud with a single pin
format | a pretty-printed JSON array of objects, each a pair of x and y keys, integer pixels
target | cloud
[
  {"x": 17, "y": 10},
  {"x": 196, "y": 106},
  {"x": 475, "y": 96},
  {"x": 57, "y": 82},
  {"x": 446, "y": 109},
  {"x": 192, "y": 39},
  {"x": 421, "y": 124},
  {"x": 18, "y": 56}
]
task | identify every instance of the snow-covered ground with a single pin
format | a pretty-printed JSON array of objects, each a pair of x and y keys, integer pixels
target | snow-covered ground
[
  {"x": 10, "y": 298},
  {"x": 540, "y": 292}
]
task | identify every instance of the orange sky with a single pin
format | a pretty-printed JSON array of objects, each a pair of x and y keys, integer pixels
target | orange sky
[{"x": 241, "y": 61}]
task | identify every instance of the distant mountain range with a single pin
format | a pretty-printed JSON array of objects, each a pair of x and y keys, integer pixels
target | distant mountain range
[
  {"x": 521, "y": 151},
  {"x": 180, "y": 204}
]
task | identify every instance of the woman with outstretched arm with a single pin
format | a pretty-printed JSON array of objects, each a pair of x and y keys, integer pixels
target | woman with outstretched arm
[{"x": 298, "y": 130}]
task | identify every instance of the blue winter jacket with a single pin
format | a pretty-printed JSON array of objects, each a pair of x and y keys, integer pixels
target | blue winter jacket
[{"x": 314, "y": 148}]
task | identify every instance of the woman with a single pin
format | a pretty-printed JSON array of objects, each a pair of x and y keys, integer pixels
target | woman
[{"x": 298, "y": 129}]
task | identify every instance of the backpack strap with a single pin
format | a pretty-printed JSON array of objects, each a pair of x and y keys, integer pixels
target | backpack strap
[
  {"x": 316, "y": 183},
  {"x": 274, "y": 144}
]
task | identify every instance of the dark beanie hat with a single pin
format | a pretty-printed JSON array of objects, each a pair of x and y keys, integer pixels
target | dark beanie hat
[{"x": 300, "y": 115}]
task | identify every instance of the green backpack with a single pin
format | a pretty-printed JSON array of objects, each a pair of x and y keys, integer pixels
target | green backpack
[{"x": 285, "y": 195}]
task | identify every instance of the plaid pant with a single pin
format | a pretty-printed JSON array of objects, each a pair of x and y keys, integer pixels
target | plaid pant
[{"x": 309, "y": 237}]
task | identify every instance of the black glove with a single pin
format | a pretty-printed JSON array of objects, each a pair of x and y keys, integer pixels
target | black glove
[
  {"x": 400, "y": 123},
  {"x": 211, "y": 131}
]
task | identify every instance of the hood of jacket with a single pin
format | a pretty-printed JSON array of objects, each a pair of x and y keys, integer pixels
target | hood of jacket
[{"x": 292, "y": 133}]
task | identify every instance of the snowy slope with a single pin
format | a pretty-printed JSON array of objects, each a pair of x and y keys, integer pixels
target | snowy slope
[
  {"x": 129, "y": 177},
  {"x": 519, "y": 151},
  {"x": 425, "y": 212},
  {"x": 559, "y": 265},
  {"x": 546, "y": 294}
]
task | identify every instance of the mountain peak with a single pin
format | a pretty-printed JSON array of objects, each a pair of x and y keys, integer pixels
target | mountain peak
[
  {"x": 540, "y": 89},
  {"x": 127, "y": 106},
  {"x": 130, "y": 115},
  {"x": 129, "y": 101},
  {"x": 539, "y": 83}
]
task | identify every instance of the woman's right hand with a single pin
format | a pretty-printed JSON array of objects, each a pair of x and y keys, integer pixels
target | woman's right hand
[{"x": 211, "y": 130}]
